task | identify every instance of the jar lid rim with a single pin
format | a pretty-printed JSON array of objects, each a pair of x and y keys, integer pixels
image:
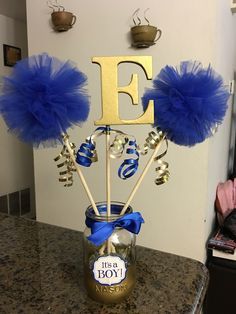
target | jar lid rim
[{"x": 116, "y": 208}]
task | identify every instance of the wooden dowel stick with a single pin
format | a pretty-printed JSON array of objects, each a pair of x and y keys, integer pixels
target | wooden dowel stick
[
  {"x": 145, "y": 170},
  {"x": 84, "y": 183},
  {"x": 108, "y": 173},
  {"x": 108, "y": 182}
]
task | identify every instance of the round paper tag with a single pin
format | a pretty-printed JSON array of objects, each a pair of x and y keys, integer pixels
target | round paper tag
[{"x": 109, "y": 270}]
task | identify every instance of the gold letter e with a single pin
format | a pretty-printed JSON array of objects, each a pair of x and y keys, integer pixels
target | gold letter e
[{"x": 110, "y": 89}]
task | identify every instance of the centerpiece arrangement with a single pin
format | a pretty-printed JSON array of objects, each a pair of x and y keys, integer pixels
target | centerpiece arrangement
[{"x": 44, "y": 97}]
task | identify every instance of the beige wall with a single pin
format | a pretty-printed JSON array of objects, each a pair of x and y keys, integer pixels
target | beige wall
[
  {"x": 224, "y": 56},
  {"x": 178, "y": 214},
  {"x": 16, "y": 158}
]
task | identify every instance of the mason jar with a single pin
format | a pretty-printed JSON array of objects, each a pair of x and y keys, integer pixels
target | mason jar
[{"x": 109, "y": 268}]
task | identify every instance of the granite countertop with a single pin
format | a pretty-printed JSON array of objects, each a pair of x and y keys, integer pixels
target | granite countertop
[{"x": 41, "y": 272}]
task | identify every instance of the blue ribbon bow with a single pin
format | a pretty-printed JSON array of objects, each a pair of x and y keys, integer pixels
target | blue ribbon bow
[{"x": 102, "y": 230}]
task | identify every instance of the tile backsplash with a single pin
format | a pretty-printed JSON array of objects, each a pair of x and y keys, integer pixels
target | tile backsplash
[
  {"x": 4, "y": 204},
  {"x": 16, "y": 203}
]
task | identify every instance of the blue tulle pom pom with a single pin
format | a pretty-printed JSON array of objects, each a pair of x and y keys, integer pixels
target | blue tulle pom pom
[
  {"x": 188, "y": 102},
  {"x": 42, "y": 98}
]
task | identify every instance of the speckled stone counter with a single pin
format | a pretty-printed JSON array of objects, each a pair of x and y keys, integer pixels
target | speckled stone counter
[{"x": 41, "y": 272}]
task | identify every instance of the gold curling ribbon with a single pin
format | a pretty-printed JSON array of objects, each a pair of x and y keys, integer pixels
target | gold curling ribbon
[
  {"x": 151, "y": 142},
  {"x": 66, "y": 174},
  {"x": 118, "y": 146},
  {"x": 162, "y": 171}
]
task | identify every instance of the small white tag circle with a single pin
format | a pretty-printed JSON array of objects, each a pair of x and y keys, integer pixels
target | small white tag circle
[{"x": 109, "y": 270}]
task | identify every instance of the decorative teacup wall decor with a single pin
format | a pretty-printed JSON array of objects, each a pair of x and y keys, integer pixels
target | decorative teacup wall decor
[
  {"x": 61, "y": 20},
  {"x": 143, "y": 36}
]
